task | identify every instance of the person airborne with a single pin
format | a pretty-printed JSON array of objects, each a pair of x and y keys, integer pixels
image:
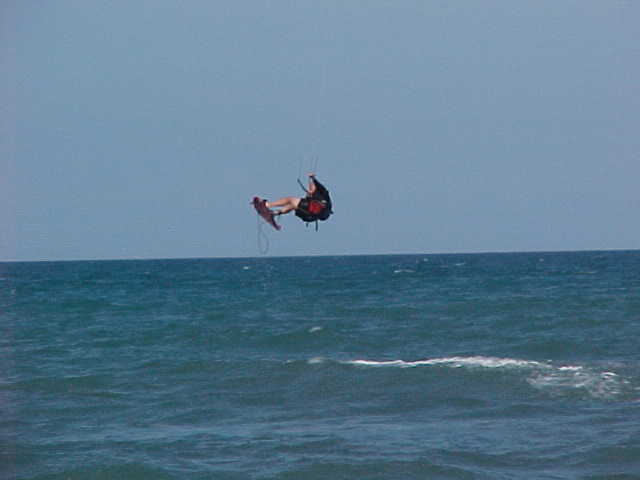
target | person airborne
[{"x": 316, "y": 205}]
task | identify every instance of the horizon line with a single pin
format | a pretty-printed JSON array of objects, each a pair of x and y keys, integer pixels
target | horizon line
[{"x": 487, "y": 252}]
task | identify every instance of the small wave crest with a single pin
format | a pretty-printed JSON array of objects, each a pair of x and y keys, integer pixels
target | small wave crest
[
  {"x": 457, "y": 362},
  {"x": 555, "y": 380}
]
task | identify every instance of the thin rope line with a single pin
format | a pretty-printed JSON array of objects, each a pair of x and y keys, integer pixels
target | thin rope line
[{"x": 261, "y": 238}]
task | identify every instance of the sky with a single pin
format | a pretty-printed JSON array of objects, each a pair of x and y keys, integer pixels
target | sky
[{"x": 142, "y": 129}]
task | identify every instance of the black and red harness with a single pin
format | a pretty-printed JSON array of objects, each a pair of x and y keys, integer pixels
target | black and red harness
[{"x": 314, "y": 207}]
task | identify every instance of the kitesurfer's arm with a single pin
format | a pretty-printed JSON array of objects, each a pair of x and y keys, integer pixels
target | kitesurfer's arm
[
  {"x": 317, "y": 189},
  {"x": 312, "y": 185}
]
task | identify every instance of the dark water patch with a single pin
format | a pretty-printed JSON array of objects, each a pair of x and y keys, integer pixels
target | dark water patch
[
  {"x": 313, "y": 446},
  {"x": 86, "y": 385},
  {"x": 414, "y": 469},
  {"x": 612, "y": 476},
  {"x": 625, "y": 455},
  {"x": 129, "y": 471}
]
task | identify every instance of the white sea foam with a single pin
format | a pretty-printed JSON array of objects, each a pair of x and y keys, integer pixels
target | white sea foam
[
  {"x": 570, "y": 369},
  {"x": 478, "y": 361},
  {"x": 543, "y": 376},
  {"x": 564, "y": 380},
  {"x": 315, "y": 329}
]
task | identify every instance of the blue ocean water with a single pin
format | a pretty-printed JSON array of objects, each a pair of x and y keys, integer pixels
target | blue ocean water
[{"x": 484, "y": 366}]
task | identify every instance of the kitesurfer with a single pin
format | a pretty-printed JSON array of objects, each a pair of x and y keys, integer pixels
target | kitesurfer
[{"x": 316, "y": 205}]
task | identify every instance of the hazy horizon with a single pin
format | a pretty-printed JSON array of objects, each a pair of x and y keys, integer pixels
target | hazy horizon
[{"x": 143, "y": 129}]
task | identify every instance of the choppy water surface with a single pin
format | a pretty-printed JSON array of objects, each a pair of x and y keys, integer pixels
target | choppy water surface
[{"x": 381, "y": 367}]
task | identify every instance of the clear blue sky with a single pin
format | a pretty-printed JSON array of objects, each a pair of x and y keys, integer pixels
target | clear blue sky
[{"x": 143, "y": 128}]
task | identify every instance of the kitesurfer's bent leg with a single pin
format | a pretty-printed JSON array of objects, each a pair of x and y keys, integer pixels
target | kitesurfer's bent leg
[{"x": 287, "y": 204}]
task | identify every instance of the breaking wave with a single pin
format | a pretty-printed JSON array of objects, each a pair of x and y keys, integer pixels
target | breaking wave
[{"x": 547, "y": 377}]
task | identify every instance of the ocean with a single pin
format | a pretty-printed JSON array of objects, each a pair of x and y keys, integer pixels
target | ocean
[{"x": 478, "y": 366}]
